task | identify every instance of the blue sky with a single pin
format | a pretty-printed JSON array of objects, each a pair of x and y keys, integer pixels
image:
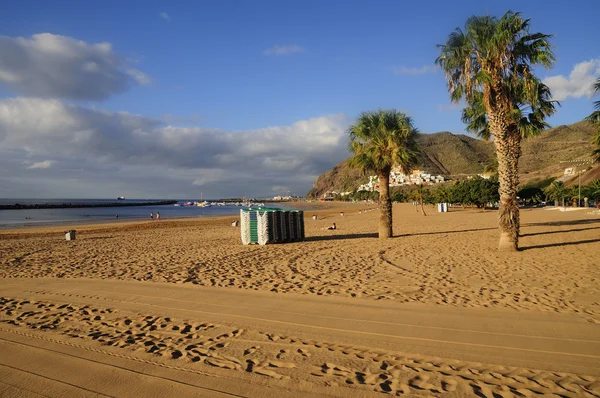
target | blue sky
[{"x": 235, "y": 66}]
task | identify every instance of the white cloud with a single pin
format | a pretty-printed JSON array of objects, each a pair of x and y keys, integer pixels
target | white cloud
[
  {"x": 54, "y": 66},
  {"x": 284, "y": 49},
  {"x": 579, "y": 83},
  {"x": 41, "y": 165},
  {"x": 86, "y": 142},
  {"x": 414, "y": 71},
  {"x": 165, "y": 16},
  {"x": 140, "y": 77}
]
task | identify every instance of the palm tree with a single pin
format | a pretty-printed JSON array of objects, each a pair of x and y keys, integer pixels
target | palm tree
[
  {"x": 593, "y": 190},
  {"x": 595, "y": 119},
  {"x": 490, "y": 65},
  {"x": 380, "y": 141},
  {"x": 421, "y": 191},
  {"x": 572, "y": 194},
  {"x": 556, "y": 191}
]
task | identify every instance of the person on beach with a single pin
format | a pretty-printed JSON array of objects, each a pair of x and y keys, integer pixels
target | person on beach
[
  {"x": 152, "y": 216},
  {"x": 157, "y": 216},
  {"x": 332, "y": 226}
]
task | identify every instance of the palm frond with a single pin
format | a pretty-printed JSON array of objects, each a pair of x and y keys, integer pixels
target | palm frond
[
  {"x": 594, "y": 118},
  {"x": 489, "y": 64},
  {"x": 383, "y": 139}
]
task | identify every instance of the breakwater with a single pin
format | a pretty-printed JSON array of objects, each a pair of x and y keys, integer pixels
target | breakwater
[{"x": 18, "y": 206}]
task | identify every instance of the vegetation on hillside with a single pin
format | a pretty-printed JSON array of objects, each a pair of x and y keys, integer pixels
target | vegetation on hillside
[{"x": 482, "y": 193}]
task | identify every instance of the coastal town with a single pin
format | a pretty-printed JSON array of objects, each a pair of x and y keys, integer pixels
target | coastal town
[{"x": 398, "y": 178}]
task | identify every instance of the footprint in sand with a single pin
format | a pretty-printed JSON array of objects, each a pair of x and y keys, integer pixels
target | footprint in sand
[
  {"x": 282, "y": 364},
  {"x": 251, "y": 350},
  {"x": 270, "y": 373},
  {"x": 449, "y": 385},
  {"x": 222, "y": 363},
  {"x": 282, "y": 354},
  {"x": 303, "y": 352},
  {"x": 482, "y": 390},
  {"x": 421, "y": 382}
]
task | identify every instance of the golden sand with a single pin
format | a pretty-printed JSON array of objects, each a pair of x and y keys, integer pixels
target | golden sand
[{"x": 434, "y": 311}]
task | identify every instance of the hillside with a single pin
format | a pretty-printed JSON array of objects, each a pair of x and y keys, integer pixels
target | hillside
[
  {"x": 456, "y": 156},
  {"x": 449, "y": 154}
]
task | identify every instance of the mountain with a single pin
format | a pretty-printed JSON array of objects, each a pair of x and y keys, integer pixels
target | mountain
[{"x": 456, "y": 156}]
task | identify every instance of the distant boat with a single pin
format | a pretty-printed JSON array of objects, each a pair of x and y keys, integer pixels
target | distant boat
[{"x": 121, "y": 198}]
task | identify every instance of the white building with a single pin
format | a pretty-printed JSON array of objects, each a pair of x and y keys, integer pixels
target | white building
[{"x": 398, "y": 178}]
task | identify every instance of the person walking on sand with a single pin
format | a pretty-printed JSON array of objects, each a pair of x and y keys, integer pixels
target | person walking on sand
[
  {"x": 151, "y": 216},
  {"x": 157, "y": 216}
]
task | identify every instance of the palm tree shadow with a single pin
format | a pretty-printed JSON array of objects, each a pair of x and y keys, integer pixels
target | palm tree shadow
[
  {"x": 340, "y": 237},
  {"x": 446, "y": 232},
  {"x": 376, "y": 235},
  {"x": 579, "y": 242},
  {"x": 559, "y": 232},
  {"x": 560, "y": 223}
]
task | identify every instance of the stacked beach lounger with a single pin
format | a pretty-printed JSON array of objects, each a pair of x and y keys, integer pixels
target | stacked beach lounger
[{"x": 270, "y": 225}]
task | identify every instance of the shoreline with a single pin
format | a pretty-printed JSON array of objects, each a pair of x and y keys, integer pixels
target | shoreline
[
  {"x": 327, "y": 208},
  {"x": 88, "y": 222}
]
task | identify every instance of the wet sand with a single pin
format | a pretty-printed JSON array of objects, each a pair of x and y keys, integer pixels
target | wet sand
[{"x": 434, "y": 311}]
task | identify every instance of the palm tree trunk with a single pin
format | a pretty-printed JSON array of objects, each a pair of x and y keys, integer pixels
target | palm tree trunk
[
  {"x": 507, "y": 140},
  {"x": 385, "y": 206},
  {"x": 422, "y": 209},
  {"x": 508, "y": 148}
]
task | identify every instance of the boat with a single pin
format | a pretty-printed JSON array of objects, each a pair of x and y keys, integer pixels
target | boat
[{"x": 121, "y": 198}]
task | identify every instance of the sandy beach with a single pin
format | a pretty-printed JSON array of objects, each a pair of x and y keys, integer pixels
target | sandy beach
[{"x": 182, "y": 307}]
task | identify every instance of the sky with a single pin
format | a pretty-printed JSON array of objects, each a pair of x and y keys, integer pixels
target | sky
[{"x": 149, "y": 99}]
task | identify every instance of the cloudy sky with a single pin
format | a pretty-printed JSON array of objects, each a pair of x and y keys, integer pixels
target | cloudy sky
[{"x": 167, "y": 100}]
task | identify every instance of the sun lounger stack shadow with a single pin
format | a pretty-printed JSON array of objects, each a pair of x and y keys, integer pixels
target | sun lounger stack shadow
[{"x": 270, "y": 225}]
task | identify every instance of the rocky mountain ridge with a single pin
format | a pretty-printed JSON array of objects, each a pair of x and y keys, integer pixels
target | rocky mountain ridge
[{"x": 457, "y": 156}]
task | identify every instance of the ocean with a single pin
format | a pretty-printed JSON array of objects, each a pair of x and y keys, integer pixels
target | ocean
[{"x": 41, "y": 217}]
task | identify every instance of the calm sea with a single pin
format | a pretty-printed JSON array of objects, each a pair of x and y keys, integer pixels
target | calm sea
[{"x": 40, "y": 217}]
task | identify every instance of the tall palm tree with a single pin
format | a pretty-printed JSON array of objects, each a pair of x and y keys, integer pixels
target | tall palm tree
[
  {"x": 595, "y": 119},
  {"x": 380, "y": 141},
  {"x": 492, "y": 60}
]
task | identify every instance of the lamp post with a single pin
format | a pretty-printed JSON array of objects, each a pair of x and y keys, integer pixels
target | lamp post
[{"x": 579, "y": 196}]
